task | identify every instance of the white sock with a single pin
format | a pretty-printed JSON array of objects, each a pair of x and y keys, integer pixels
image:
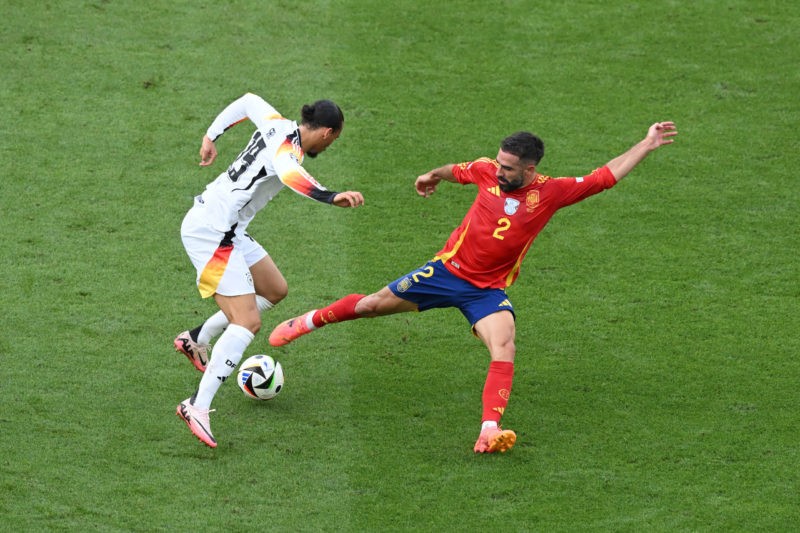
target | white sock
[
  {"x": 217, "y": 323},
  {"x": 488, "y": 424},
  {"x": 263, "y": 304},
  {"x": 225, "y": 357},
  {"x": 310, "y": 321},
  {"x": 212, "y": 327}
]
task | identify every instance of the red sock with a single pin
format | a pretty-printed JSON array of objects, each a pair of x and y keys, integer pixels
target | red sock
[
  {"x": 338, "y": 311},
  {"x": 497, "y": 389}
]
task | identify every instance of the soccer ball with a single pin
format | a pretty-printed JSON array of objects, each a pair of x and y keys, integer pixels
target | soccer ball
[{"x": 260, "y": 377}]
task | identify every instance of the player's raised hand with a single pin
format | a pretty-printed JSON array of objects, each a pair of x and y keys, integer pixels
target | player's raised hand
[
  {"x": 426, "y": 184},
  {"x": 661, "y": 133},
  {"x": 348, "y": 199},
  {"x": 208, "y": 152}
]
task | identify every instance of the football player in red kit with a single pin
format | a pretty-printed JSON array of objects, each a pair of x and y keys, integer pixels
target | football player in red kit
[{"x": 483, "y": 256}]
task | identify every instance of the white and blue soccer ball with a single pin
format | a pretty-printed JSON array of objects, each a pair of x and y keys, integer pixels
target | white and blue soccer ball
[{"x": 260, "y": 377}]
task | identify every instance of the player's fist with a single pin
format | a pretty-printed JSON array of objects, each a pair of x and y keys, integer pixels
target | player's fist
[
  {"x": 208, "y": 152},
  {"x": 348, "y": 199},
  {"x": 426, "y": 184}
]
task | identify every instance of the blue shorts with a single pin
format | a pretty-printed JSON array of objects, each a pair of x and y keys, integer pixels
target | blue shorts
[{"x": 433, "y": 286}]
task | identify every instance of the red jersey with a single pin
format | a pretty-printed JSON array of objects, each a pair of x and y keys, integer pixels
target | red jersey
[{"x": 488, "y": 247}]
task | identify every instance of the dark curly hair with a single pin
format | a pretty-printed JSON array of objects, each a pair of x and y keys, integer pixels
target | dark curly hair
[
  {"x": 524, "y": 145},
  {"x": 322, "y": 114}
]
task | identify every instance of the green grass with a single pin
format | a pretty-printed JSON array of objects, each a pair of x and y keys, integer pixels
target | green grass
[{"x": 656, "y": 383}]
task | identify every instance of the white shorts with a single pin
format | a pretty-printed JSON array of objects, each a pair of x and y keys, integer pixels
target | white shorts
[{"x": 222, "y": 260}]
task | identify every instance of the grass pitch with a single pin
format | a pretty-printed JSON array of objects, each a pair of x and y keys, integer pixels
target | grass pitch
[{"x": 656, "y": 384}]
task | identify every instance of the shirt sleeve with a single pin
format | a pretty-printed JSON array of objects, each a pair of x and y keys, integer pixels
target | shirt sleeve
[
  {"x": 248, "y": 106},
  {"x": 470, "y": 171},
  {"x": 293, "y": 175},
  {"x": 574, "y": 190}
]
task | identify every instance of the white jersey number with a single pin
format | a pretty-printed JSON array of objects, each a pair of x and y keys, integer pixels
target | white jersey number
[{"x": 246, "y": 158}]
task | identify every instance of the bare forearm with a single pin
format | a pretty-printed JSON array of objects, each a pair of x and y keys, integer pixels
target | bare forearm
[
  {"x": 444, "y": 173},
  {"x": 621, "y": 165},
  {"x": 426, "y": 183},
  {"x": 659, "y": 134}
]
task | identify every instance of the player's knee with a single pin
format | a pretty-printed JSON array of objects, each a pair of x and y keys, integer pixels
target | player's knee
[
  {"x": 381, "y": 303},
  {"x": 282, "y": 290},
  {"x": 279, "y": 293},
  {"x": 275, "y": 292},
  {"x": 503, "y": 351},
  {"x": 368, "y": 306},
  {"x": 365, "y": 309}
]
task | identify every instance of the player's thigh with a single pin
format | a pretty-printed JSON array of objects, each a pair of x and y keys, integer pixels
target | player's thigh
[
  {"x": 497, "y": 332},
  {"x": 200, "y": 241},
  {"x": 268, "y": 280}
]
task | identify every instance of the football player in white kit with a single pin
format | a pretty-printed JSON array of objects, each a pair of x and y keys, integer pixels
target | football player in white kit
[{"x": 231, "y": 266}]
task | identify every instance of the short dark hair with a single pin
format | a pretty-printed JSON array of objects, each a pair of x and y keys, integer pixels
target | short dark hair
[
  {"x": 322, "y": 114},
  {"x": 524, "y": 145}
]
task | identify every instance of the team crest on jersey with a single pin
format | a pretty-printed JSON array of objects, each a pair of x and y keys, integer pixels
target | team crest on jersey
[
  {"x": 532, "y": 200},
  {"x": 403, "y": 285},
  {"x": 511, "y": 206}
]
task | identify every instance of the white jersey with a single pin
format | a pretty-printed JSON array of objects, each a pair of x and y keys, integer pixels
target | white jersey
[{"x": 272, "y": 159}]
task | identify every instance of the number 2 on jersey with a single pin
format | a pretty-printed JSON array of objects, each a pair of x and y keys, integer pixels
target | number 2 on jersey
[{"x": 502, "y": 225}]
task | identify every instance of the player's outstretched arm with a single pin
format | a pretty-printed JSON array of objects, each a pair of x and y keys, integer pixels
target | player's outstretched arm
[
  {"x": 208, "y": 152},
  {"x": 659, "y": 134},
  {"x": 348, "y": 199},
  {"x": 426, "y": 183}
]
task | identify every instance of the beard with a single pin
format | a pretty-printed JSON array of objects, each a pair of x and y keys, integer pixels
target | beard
[
  {"x": 508, "y": 186},
  {"x": 312, "y": 154}
]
